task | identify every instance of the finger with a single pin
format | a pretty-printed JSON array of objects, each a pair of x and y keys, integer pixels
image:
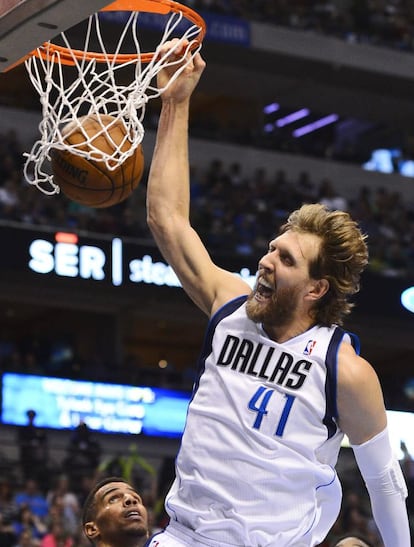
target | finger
[
  {"x": 199, "y": 63},
  {"x": 175, "y": 48}
]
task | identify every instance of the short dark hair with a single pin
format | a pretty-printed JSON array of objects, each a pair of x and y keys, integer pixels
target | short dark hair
[
  {"x": 356, "y": 536},
  {"x": 88, "y": 510}
]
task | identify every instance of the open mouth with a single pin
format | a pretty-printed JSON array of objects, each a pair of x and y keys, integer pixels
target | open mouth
[
  {"x": 263, "y": 291},
  {"x": 132, "y": 515}
]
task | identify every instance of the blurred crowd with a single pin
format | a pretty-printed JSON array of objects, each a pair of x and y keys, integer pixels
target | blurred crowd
[
  {"x": 40, "y": 503},
  {"x": 41, "y": 497},
  {"x": 388, "y": 23},
  {"x": 379, "y": 23},
  {"x": 234, "y": 213}
]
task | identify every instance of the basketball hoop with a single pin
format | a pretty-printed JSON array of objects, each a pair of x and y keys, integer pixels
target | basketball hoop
[{"x": 74, "y": 82}]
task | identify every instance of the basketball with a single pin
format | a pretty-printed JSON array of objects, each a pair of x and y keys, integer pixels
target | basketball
[{"x": 88, "y": 181}]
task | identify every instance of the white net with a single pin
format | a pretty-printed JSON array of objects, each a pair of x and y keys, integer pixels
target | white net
[{"x": 100, "y": 90}]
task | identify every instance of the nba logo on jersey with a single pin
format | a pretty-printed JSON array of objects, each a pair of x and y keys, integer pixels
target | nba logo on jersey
[{"x": 309, "y": 347}]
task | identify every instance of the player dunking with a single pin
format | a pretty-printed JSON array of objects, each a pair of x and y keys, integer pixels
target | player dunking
[{"x": 279, "y": 383}]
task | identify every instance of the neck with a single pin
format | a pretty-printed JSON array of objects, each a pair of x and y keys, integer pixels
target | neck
[
  {"x": 133, "y": 542},
  {"x": 283, "y": 333}
]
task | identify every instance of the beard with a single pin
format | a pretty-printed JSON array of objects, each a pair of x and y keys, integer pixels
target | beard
[{"x": 278, "y": 309}]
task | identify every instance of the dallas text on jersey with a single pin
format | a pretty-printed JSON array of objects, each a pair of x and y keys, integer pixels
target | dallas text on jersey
[{"x": 276, "y": 366}]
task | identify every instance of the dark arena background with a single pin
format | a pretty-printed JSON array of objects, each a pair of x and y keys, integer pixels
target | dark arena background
[{"x": 300, "y": 102}]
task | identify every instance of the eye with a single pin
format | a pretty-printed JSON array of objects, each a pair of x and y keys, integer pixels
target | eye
[
  {"x": 286, "y": 259},
  {"x": 114, "y": 498}
]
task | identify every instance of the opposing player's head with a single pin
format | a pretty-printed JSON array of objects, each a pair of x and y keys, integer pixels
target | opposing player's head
[
  {"x": 114, "y": 515},
  {"x": 352, "y": 541},
  {"x": 312, "y": 267}
]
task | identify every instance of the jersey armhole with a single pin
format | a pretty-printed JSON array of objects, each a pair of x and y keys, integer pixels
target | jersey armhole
[{"x": 331, "y": 385}]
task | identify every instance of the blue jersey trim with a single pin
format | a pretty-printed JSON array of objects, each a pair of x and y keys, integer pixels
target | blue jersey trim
[
  {"x": 356, "y": 344},
  {"x": 206, "y": 349},
  {"x": 331, "y": 385}
]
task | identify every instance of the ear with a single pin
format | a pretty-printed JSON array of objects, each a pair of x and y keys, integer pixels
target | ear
[
  {"x": 91, "y": 530},
  {"x": 317, "y": 289}
]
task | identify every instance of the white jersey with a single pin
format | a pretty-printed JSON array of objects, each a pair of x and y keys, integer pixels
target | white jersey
[{"x": 256, "y": 467}]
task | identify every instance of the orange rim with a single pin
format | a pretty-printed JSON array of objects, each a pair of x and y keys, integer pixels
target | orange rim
[{"x": 65, "y": 57}]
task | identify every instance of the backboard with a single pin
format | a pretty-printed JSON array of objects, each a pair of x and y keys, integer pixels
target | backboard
[{"x": 26, "y": 24}]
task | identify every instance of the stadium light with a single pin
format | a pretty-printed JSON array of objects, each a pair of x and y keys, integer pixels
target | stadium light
[{"x": 304, "y": 130}]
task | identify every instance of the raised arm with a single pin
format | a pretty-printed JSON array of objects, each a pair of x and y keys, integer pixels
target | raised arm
[
  {"x": 168, "y": 197},
  {"x": 363, "y": 418}
]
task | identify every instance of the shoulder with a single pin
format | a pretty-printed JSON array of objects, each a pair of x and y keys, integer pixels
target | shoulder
[
  {"x": 352, "y": 368},
  {"x": 229, "y": 287},
  {"x": 231, "y": 310}
]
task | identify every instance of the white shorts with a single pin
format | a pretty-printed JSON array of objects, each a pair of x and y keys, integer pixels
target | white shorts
[
  {"x": 164, "y": 539},
  {"x": 176, "y": 535}
]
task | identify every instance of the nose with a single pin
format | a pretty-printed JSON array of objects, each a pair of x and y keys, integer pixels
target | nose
[
  {"x": 130, "y": 500},
  {"x": 266, "y": 262}
]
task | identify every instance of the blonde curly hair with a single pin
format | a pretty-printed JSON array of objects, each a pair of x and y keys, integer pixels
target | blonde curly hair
[{"x": 342, "y": 258}]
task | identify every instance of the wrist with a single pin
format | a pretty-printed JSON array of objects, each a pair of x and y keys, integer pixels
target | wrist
[{"x": 175, "y": 103}]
